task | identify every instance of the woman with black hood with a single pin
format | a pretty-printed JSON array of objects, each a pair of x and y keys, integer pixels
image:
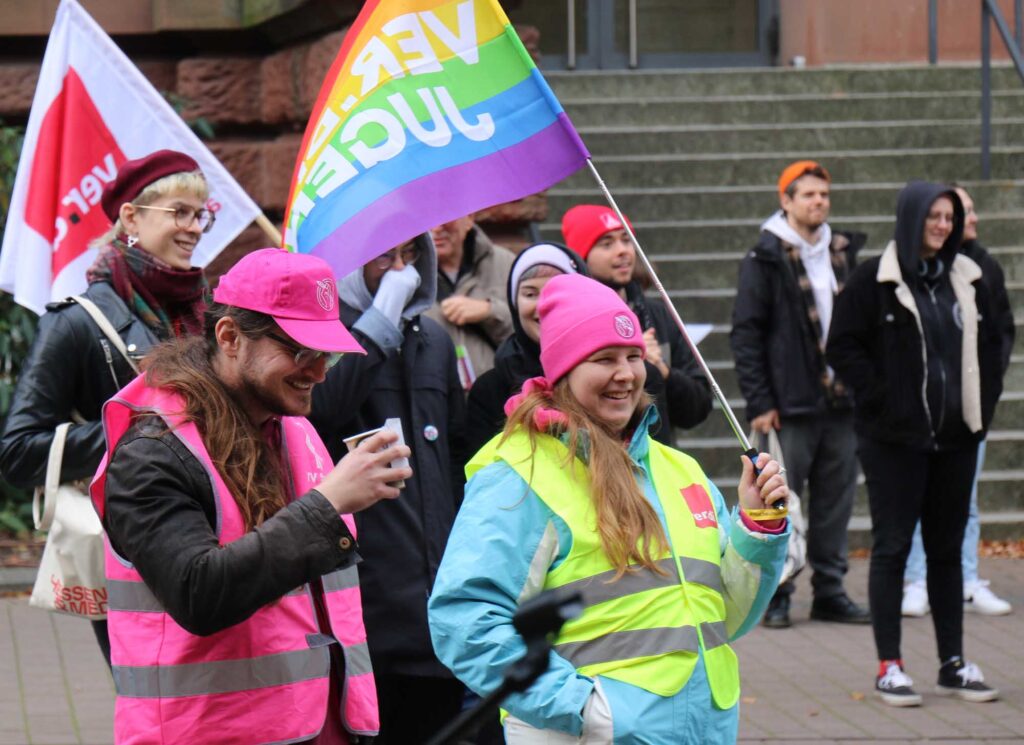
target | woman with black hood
[
  {"x": 914, "y": 335},
  {"x": 518, "y": 358}
]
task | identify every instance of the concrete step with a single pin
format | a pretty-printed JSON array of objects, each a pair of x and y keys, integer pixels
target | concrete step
[
  {"x": 715, "y": 305},
  {"x": 798, "y": 108},
  {"x": 733, "y": 235},
  {"x": 845, "y": 166},
  {"x": 761, "y": 80},
  {"x": 719, "y": 455},
  {"x": 730, "y": 202},
  {"x": 753, "y": 138},
  {"x": 1009, "y": 413},
  {"x": 706, "y": 271}
]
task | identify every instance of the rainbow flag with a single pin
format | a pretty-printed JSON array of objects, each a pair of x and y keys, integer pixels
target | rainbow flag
[{"x": 432, "y": 110}]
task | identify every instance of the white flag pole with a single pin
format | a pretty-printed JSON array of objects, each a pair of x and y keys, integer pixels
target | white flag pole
[{"x": 748, "y": 449}]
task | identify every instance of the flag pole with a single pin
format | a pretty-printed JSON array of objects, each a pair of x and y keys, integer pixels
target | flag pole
[
  {"x": 748, "y": 449},
  {"x": 268, "y": 227}
]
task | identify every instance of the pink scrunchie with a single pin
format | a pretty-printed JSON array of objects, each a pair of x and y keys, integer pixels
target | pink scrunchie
[{"x": 543, "y": 418}]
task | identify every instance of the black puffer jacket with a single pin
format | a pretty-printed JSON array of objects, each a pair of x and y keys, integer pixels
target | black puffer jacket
[
  {"x": 402, "y": 540},
  {"x": 72, "y": 367},
  {"x": 683, "y": 398},
  {"x": 777, "y": 359},
  {"x": 876, "y": 346}
]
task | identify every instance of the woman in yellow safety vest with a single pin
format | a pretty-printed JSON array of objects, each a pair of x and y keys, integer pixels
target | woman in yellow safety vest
[{"x": 575, "y": 495}]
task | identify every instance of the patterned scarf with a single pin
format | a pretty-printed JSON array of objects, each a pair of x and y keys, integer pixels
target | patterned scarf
[
  {"x": 835, "y": 391},
  {"x": 169, "y": 301}
]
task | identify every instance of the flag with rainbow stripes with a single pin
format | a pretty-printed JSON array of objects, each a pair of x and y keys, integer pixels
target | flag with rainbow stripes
[{"x": 432, "y": 110}]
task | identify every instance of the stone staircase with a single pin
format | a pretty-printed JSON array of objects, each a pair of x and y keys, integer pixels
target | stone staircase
[{"x": 692, "y": 157}]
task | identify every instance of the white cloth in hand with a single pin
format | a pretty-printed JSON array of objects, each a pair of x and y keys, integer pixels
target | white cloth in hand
[{"x": 395, "y": 291}]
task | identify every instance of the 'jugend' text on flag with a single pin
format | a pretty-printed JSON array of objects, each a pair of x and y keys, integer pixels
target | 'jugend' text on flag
[{"x": 432, "y": 110}]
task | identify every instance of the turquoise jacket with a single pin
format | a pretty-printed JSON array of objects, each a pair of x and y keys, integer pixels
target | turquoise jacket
[{"x": 504, "y": 542}]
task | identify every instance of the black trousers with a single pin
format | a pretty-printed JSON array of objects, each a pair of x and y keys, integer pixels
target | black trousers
[
  {"x": 413, "y": 709},
  {"x": 905, "y": 486},
  {"x": 99, "y": 628},
  {"x": 821, "y": 467}
]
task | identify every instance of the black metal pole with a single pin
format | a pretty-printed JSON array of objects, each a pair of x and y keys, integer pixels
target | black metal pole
[
  {"x": 986, "y": 90},
  {"x": 933, "y": 32}
]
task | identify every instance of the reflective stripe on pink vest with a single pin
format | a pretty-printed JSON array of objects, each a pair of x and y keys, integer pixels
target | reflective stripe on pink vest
[{"x": 262, "y": 680}]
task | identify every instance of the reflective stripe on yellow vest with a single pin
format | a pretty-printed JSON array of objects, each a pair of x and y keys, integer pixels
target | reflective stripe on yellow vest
[{"x": 646, "y": 628}]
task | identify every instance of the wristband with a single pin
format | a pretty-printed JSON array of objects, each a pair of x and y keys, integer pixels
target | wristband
[{"x": 767, "y": 514}]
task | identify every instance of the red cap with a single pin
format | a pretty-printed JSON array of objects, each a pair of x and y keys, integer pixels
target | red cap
[
  {"x": 585, "y": 223},
  {"x": 297, "y": 290},
  {"x": 795, "y": 170},
  {"x": 135, "y": 175}
]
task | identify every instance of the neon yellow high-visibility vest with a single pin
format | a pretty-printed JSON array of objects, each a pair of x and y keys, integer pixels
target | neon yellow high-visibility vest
[{"x": 646, "y": 628}]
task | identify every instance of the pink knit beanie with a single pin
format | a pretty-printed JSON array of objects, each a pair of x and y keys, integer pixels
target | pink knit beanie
[{"x": 579, "y": 316}]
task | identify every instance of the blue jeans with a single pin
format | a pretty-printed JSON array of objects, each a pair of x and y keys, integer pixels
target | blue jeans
[{"x": 916, "y": 571}]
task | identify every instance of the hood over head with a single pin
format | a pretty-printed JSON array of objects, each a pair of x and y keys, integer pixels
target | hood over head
[
  {"x": 912, "y": 206},
  {"x": 552, "y": 254},
  {"x": 354, "y": 293}
]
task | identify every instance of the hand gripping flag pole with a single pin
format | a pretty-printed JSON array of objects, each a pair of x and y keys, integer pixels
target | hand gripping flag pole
[{"x": 778, "y": 510}]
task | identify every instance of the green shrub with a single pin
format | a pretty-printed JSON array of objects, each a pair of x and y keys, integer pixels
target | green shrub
[{"x": 17, "y": 328}]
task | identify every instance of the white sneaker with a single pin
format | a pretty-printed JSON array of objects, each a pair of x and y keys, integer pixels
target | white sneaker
[
  {"x": 896, "y": 688},
  {"x": 915, "y": 599},
  {"x": 979, "y": 599}
]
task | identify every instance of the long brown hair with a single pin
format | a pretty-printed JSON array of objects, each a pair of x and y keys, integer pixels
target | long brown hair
[
  {"x": 630, "y": 530},
  {"x": 249, "y": 466}
]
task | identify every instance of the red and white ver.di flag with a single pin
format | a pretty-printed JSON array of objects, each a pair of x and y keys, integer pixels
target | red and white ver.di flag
[{"x": 92, "y": 111}]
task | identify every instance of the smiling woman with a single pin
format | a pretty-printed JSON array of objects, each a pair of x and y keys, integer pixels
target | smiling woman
[
  {"x": 576, "y": 496},
  {"x": 144, "y": 284}
]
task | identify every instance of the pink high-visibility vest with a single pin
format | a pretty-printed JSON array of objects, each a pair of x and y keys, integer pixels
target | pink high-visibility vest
[{"x": 262, "y": 680}]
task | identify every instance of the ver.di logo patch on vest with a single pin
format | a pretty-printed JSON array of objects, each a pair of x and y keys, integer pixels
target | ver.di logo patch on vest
[{"x": 699, "y": 502}]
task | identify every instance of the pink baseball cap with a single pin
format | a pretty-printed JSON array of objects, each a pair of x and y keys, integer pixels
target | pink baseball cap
[
  {"x": 296, "y": 290},
  {"x": 579, "y": 316}
]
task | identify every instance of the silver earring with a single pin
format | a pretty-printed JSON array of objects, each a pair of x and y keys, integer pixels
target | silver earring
[{"x": 132, "y": 240}]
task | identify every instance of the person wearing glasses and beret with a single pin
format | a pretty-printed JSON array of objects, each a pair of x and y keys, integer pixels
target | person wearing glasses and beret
[
  {"x": 409, "y": 372},
  {"x": 144, "y": 283}
]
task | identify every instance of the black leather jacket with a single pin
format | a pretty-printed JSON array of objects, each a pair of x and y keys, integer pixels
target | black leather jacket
[{"x": 72, "y": 367}]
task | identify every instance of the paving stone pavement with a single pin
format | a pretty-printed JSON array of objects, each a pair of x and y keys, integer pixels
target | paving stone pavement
[{"x": 808, "y": 684}]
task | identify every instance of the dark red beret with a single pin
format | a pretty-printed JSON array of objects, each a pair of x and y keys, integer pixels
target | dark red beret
[{"x": 135, "y": 175}]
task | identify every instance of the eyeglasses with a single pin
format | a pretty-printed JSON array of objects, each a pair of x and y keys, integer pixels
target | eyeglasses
[
  {"x": 410, "y": 254},
  {"x": 304, "y": 356},
  {"x": 183, "y": 216}
]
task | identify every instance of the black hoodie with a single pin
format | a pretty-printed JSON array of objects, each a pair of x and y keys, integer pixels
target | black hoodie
[
  {"x": 936, "y": 303},
  {"x": 907, "y": 393}
]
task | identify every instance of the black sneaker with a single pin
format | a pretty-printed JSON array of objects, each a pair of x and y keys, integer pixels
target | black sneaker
[
  {"x": 777, "y": 614},
  {"x": 964, "y": 680},
  {"x": 840, "y": 609},
  {"x": 895, "y": 687}
]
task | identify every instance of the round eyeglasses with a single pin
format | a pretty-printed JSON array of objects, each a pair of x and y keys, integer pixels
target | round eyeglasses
[
  {"x": 304, "y": 356},
  {"x": 184, "y": 216},
  {"x": 410, "y": 254}
]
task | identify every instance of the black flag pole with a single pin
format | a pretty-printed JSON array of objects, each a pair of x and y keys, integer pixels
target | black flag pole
[{"x": 748, "y": 449}]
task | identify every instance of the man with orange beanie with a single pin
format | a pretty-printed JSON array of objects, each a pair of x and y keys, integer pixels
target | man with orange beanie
[
  {"x": 680, "y": 391},
  {"x": 780, "y": 322}
]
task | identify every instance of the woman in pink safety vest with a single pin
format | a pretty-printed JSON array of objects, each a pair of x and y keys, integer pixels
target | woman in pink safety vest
[{"x": 235, "y": 614}]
